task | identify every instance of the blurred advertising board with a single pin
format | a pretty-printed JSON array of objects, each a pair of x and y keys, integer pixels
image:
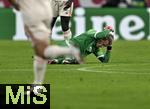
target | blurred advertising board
[
  {"x": 7, "y": 23},
  {"x": 129, "y": 23}
]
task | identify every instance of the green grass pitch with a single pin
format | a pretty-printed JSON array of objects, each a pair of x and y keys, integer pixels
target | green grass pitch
[{"x": 124, "y": 83}]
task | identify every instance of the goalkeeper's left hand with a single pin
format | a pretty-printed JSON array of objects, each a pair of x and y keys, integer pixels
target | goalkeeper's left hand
[{"x": 68, "y": 4}]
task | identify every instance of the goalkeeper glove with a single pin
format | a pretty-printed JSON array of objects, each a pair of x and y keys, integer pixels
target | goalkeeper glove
[{"x": 109, "y": 48}]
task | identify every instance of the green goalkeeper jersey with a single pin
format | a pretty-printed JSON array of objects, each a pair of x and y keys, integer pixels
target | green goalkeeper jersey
[{"x": 87, "y": 43}]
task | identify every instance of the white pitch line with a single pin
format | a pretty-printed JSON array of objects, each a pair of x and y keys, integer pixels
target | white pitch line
[
  {"x": 28, "y": 70},
  {"x": 89, "y": 69},
  {"x": 109, "y": 71}
]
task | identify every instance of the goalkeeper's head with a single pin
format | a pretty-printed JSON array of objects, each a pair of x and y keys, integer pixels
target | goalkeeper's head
[{"x": 106, "y": 41}]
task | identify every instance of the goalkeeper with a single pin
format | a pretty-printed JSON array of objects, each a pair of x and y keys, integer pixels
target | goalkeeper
[{"x": 89, "y": 42}]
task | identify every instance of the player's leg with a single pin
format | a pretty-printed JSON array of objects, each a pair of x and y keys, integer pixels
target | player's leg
[
  {"x": 65, "y": 27},
  {"x": 65, "y": 18},
  {"x": 53, "y": 22},
  {"x": 45, "y": 51},
  {"x": 39, "y": 65},
  {"x": 52, "y": 25},
  {"x": 55, "y": 51}
]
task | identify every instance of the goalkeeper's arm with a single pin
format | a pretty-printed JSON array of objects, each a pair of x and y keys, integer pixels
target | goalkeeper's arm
[{"x": 105, "y": 58}]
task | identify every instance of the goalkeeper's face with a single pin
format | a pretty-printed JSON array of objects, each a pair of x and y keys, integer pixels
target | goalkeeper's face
[{"x": 103, "y": 43}]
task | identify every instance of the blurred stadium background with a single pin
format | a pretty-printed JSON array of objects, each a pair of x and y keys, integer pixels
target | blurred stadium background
[
  {"x": 123, "y": 83},
  {"x": 130, "y": 19}
]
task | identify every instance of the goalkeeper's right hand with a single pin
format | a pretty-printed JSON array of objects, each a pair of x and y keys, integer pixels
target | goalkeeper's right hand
[{"x": 109, "y": 48}]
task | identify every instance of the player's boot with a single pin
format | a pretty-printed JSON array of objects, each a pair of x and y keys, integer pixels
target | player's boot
[
  {"x": 66, "y": 62},
  {"x": 53, "y": 61}
]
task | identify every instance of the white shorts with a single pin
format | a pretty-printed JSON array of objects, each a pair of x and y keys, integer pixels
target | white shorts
[
  {"x": 37, "y": 15},
  {"x": 58, "y": 8}
]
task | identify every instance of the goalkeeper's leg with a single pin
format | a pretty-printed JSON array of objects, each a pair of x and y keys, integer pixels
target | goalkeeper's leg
[
  {"x": 56, "y": 60},
  {"x": 70, "y": 61}
]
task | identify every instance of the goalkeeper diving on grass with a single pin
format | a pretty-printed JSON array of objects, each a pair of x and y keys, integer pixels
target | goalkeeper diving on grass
[{"x": 88, "y": 43}]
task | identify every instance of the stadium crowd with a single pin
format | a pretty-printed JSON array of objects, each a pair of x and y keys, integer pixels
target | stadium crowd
[{"x": 99, "y": 3}]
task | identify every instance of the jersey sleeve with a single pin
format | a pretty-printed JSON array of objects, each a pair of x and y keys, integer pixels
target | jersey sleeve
[
  {"x": 97, "y": 52},
  {"x": 91, "y": 32}
]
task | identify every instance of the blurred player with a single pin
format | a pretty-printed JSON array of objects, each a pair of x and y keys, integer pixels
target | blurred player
[
  {"x": 62, "y": 8},
  {"x": 36, "y": 17},
  {"x": 90, "y": 42}
]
